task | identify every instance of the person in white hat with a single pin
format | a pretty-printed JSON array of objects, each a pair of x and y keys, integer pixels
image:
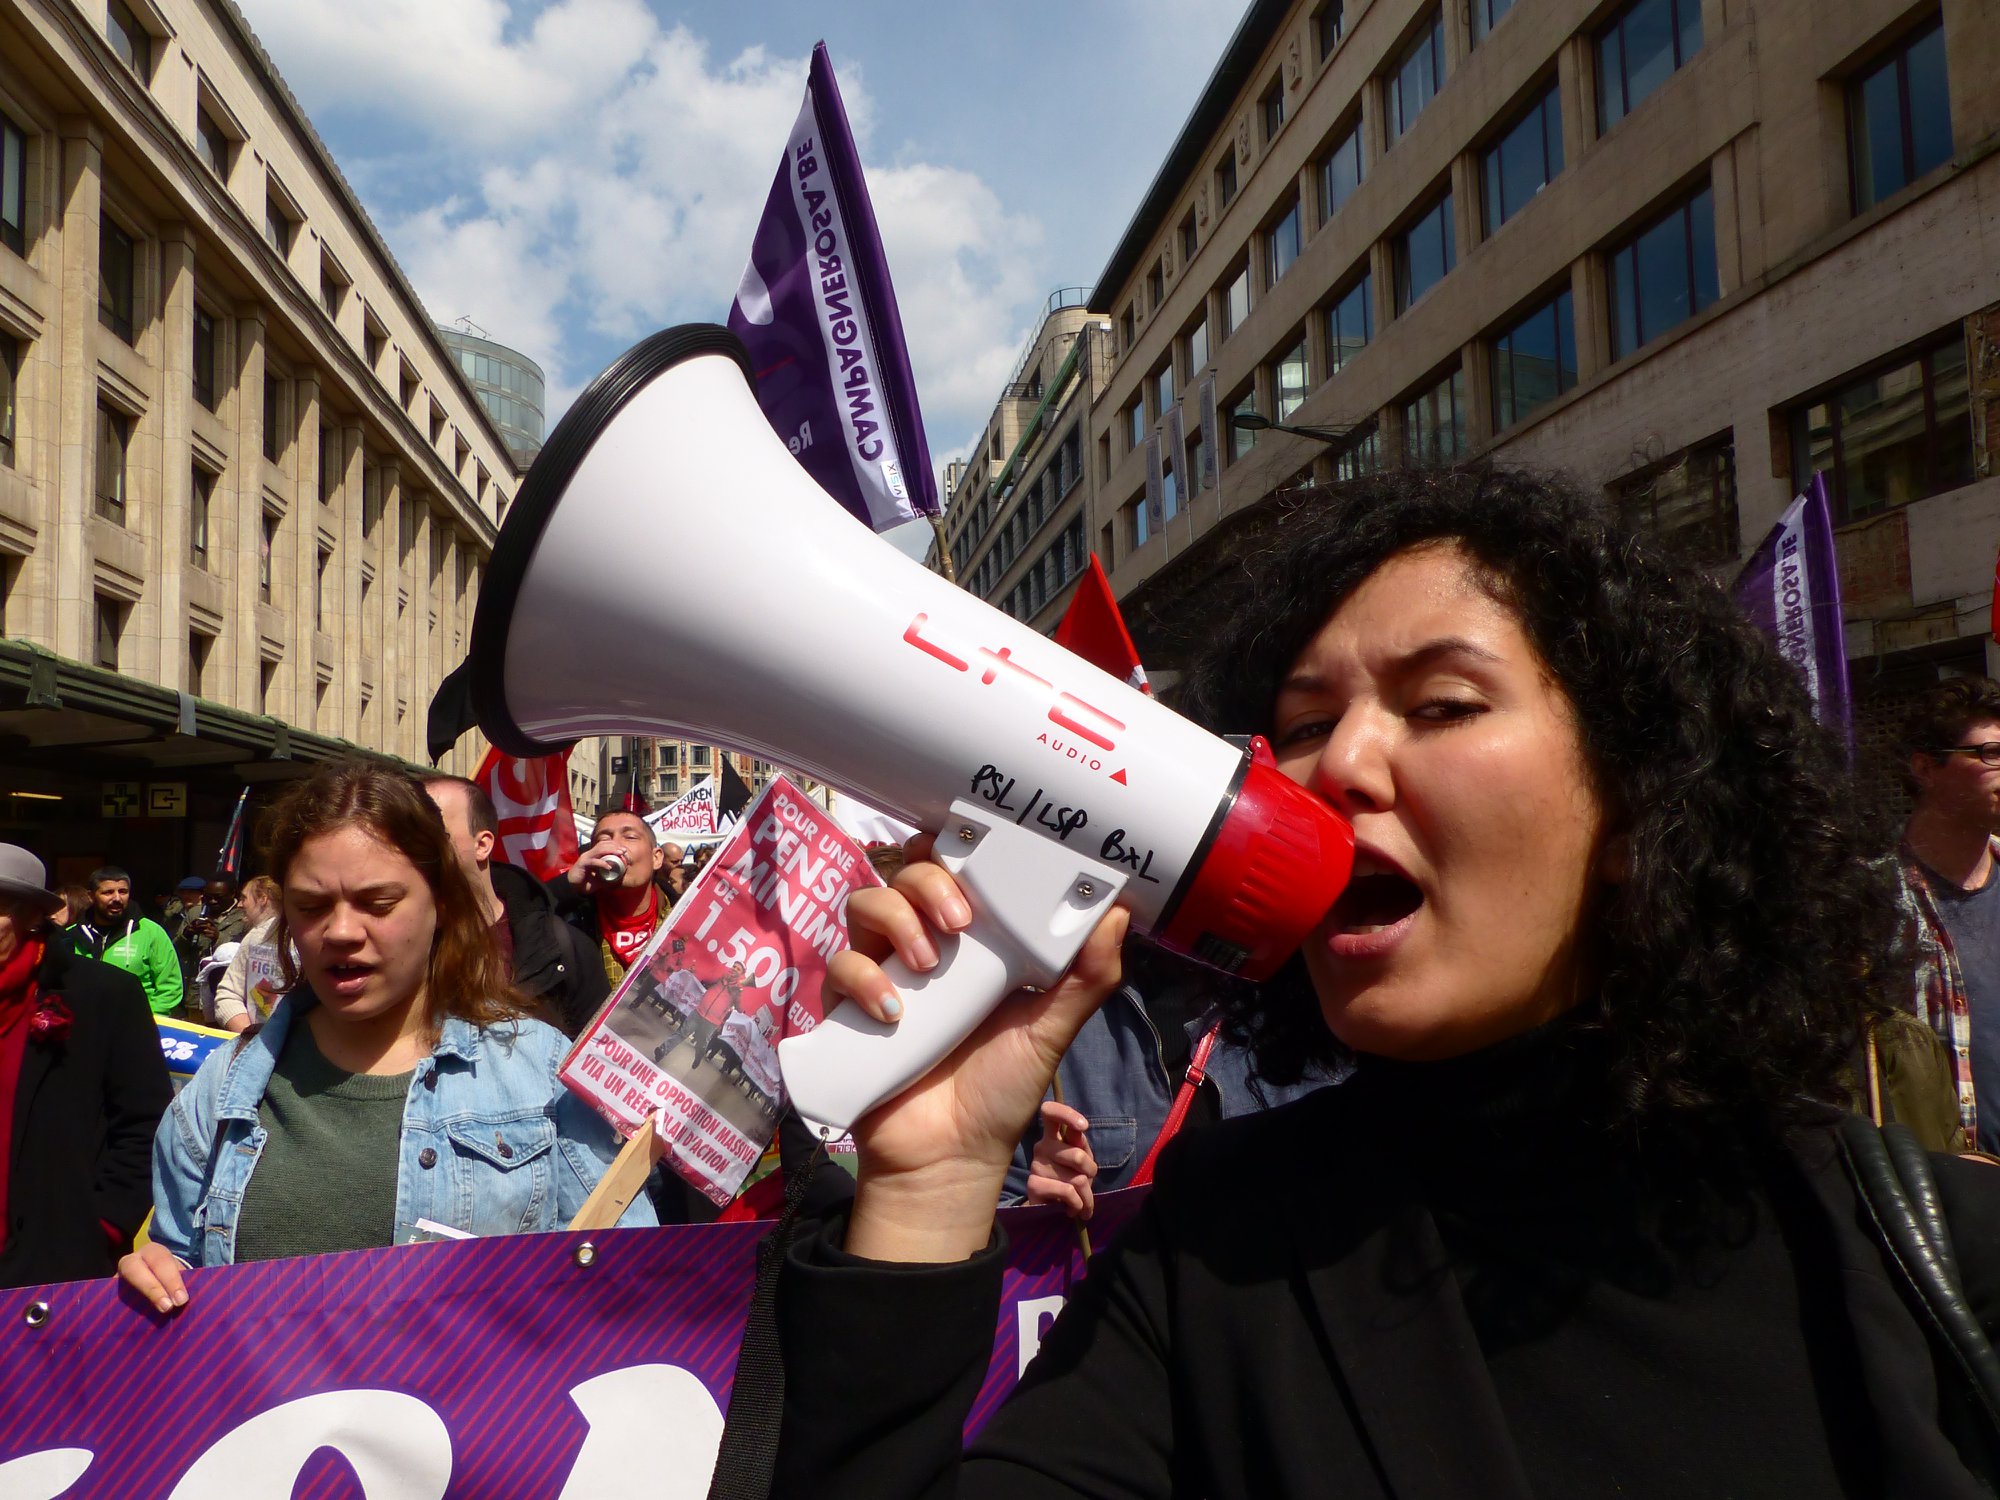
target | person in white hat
[{"x": 82, "y": 1089}]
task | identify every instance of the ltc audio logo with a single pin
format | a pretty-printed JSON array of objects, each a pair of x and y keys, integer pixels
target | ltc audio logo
[{"x": 1066, "y": 710}]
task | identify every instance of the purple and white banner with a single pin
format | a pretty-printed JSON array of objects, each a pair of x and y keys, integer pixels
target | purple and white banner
[
  {"x": 538, "y": 1367},
  {"x": 818, "y": 314},
  {"x": 1790, "y": 588}
]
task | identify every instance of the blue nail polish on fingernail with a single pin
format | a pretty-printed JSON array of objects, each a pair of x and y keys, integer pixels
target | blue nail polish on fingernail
[{"x": 892, "y": 1007}]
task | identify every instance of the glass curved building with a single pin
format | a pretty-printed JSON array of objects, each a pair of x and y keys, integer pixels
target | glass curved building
[{"x": 509, "y": 386}]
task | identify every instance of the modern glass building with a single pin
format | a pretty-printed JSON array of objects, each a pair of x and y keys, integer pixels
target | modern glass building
[{"x": 509, "y": 386}]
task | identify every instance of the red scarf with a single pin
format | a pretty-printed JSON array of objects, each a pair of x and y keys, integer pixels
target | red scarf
[
  {"x": 17, "y": 1003},
  {"x": 628, "y": 935}
]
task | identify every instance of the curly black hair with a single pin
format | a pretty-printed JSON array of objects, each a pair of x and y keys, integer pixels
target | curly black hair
[{"x": 1737, "y": 966}]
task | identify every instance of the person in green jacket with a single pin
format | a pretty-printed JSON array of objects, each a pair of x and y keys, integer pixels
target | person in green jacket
[{"x": 111, "y": 932}]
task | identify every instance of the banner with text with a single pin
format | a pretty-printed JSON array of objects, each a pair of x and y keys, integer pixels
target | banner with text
[
  {"x": 524, "y": 1368},
  {"x": 818, "y": 314},
  {"x": 693, "y": 1030},
  {"x": 1790, "y": 588}
]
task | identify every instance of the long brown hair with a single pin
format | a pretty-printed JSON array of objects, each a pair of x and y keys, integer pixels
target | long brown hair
[{"x": 468, "y": 976}]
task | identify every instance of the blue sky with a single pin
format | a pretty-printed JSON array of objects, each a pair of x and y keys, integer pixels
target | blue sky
[{"x": 572, "y": 174}]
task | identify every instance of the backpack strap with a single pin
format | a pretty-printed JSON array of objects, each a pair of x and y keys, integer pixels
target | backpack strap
[{"x": 1892, "y": 1177}]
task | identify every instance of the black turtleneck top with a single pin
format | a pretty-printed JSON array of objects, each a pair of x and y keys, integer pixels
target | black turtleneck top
[{"x": 1669, "y": 1312}]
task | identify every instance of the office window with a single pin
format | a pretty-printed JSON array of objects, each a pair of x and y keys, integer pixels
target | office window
[
  {"x": 1135, "y": 424},
  {"x": 1416, "y": 76},
  {"x": 1534, "y": 361},
  {"x": 273, "y": 438},
  {"x": 1156, "y": 291},
  {"x": 114, "y": 440},
  {"x": 1424, "y": 253},
  {"x": 1271, "y": 108},
  {"x": 201, "y": 494},
  {"x": 1897, "y": 433},
  {"x": 1163, "y": 389},
  {"x": 1639, "y": 50},
  {"x": 1170, "y": 498},
  {"x": 1340, "y": 173},
  {"x": 1288, "y": 380},
  {"x": 1687, "y": 502},
  {"x": 329, "y": 459},
  {"x": 1282, "y": 244},
  {"x": 698, "y": 757},
  {"x": 1664, "y": 274},
  {"x": 322, "y": 559},
  {"x": 1523, "y": 161},
  {"x": 1899, "y": 118},
  {"x": 13, "y": 187},
  {"x": 1225, "y": 181},
  {"x": 332, "y": 290},
  {"x": 1142, "y": 522},
  {"x": 1242, "y": 439},
  {"x": 1328, "y": 23},
  {"x": 10, "y": 374},
  {"x": 1434, "y": 423},
  {"x": 115, "y": 278},
  {"x": 1486, "y": 15},
  {"x": 204, "y": 358},
  {"x": 1197, "y": 349},
  {"x": 131, "y": 41},
  {"x": 1187, "y": 238},
  {"x": 211, "y": 142},
  {"x": 1350, "y": 323},
  {"x": 374, "y": 339},
  {"x": 1125, "y": 331},
  {"x": 1362, "y": 455},
  {"x": 1236, "y": 301},
  {"x": 110, "y": 631},
  {"x": 199, "y": 647},
  {"x": 267, "y": 548},
  {"x": 280, "y": 228}
]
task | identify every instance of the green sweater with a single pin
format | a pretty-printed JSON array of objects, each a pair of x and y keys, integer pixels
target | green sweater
[
  {"x": 140, "y": 946},
  {"x": 326, "y": 1179}
]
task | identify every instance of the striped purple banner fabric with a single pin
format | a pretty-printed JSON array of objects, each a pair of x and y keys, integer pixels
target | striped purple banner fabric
[{"x": 495, "y": 1368}]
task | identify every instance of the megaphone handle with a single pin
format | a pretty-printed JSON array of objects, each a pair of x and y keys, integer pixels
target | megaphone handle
[{"x": 1034, "y": 902}]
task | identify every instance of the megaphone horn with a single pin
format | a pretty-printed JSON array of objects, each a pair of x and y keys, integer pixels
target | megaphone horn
[{"x": 669, "y": 569}]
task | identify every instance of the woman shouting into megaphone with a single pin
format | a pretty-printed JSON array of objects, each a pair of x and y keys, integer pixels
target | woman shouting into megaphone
[{"x": 1586, "y": 1219}]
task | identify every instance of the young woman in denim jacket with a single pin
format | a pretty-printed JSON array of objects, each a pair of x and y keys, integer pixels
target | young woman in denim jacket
[{"x": 400, "y": 1078}]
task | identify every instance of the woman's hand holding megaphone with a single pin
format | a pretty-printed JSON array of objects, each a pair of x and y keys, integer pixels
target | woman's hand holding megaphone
[{"x": 933, "y": 1158}]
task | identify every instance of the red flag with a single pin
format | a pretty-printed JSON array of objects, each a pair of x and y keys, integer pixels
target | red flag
[
  {"x": 1996, "y": 599},
  {"x": 1095, "y": 631},
  {"x": 537, "y": 823}
]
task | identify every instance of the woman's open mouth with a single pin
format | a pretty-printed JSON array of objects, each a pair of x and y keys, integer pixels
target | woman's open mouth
[
  {"x": 348, "y": 980},
  {"x": 1373, "y": 914}
]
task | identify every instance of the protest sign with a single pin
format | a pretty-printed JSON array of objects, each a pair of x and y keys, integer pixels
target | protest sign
[
  {"x": 186, "y": 1045},
  {"x": 694, "y": 1029},
  {"x": 522, "y": 1368},
  {"x": 691, "y": 815}
]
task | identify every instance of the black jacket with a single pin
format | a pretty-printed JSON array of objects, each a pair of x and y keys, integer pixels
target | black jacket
[
  {"x": 1275, "y": 1323},
  {"x": 553, "y": 961},
  {"x": 85, "y": 1110}
]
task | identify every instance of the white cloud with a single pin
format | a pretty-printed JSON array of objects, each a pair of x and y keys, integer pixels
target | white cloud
[{"x": 607, "y": 175}]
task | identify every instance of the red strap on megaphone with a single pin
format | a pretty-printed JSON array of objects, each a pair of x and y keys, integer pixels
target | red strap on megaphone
[{"x": 1183, "y": 1101}]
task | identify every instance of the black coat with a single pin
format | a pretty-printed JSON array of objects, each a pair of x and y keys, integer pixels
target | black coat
[
  {"x": 85, "y": 1110},
  {"x": 553, "y": 961},
  {"x": 1272, "y": 1326}
]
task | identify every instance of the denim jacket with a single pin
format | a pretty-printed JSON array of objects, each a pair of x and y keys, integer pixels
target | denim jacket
[
  {"x": 492, "y": 1143},
  {"x": 1115, "y": 1073}
]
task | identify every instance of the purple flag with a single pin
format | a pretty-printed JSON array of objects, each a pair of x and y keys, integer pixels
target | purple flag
[
  {"x": 818, "y": 314},
  {"x": 1790, "y": 588}
]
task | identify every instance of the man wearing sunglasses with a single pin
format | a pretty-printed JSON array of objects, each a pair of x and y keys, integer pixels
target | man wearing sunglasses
[{"x": 1951, "y": 885}]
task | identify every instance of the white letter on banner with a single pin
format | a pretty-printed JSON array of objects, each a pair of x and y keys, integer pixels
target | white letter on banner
[
  {"x": 397, "y": 1446},
  {"x": 1029, "y": 1326},
  {"x": 44, "y": 1475},
  {"x": 628, "y": 1413}
]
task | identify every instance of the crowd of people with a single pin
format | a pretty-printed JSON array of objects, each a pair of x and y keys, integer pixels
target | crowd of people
[{"x": 1533, "y": 1172}]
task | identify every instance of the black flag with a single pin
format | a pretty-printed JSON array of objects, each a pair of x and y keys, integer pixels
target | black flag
[
  {"x": 451, "y": 712},
  {"x": 733, "y": 793}
]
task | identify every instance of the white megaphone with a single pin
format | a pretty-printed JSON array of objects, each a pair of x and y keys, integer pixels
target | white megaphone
[{"x": 669, "y": 569}]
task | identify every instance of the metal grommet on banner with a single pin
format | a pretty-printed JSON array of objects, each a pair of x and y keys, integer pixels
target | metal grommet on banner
[
  {"x": 36, "y": 1314},
  {"x": 585, "y": 1254}
]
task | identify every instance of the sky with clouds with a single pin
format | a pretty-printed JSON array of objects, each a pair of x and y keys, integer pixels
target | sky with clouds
[{"x": 572, "y": 174}]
